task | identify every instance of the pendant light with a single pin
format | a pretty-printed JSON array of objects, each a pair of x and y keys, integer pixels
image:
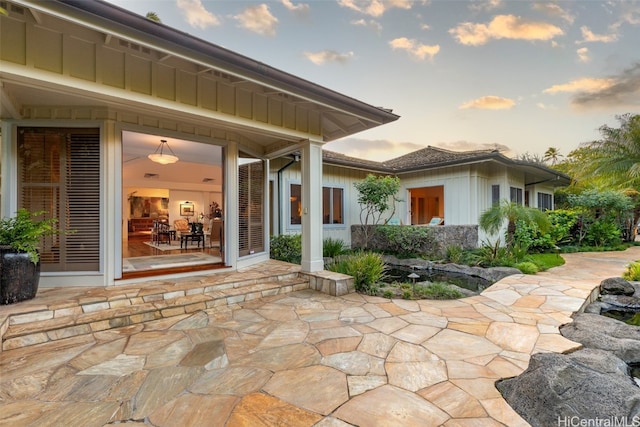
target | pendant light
[{"x": 159, "y": 156}]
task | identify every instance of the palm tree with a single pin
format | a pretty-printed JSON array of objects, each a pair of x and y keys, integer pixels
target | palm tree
[
  {"x": 615, "y": 159},
  {"x": 492, "y": 219},
  {"x": 153, "y": 16},
  {"x": 552, "y": 154}
]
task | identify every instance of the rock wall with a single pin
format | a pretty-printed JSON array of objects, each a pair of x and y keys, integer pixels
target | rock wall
[
  {"x": 593, "y": 383},
  {"x": 465, "y": 236}
]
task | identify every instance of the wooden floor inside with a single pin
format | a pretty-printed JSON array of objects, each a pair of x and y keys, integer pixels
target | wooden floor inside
[{"x": 135, "y": 246}]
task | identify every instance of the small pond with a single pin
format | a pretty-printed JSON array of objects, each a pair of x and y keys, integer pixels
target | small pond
[
  {"x": 634, "y": 369},
  {"x": 472, "y": 283},
  {"x": 628, "y": 317}
]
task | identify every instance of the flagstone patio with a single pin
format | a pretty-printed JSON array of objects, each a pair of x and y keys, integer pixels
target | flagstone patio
[{"x": 305, "y": 358}]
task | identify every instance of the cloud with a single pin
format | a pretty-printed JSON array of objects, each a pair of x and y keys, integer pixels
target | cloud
[
  {"x": 196, "y": 14},
  {"x": 414, "y": 48},
  {"x": 543, "y": 106},
  {"x": 504, "y": 27},
  {"x": 258, "y": 19},
  {"x": 589, "y": 37},
  {"x": 622, "y": 91},
  {"x": 323, "y": 56},
  {"x": 301, "y": 9},
  {"x": 583, "y": 54},
  {"x": 554, "y": 10},
  {"x": 586, "y": 84},
  {"x": 489, "y": 103},
  {"x": 375, "y": 8},
  {"x": 377, "y": 150},
  {"x": 372, "y": 23},
  {"x": 485, "y": 6}
]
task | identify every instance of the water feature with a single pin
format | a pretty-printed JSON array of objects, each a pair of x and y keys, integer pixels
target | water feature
[
  {"x": 472, "y": 283},
  {"x": 628, "y": 317}
]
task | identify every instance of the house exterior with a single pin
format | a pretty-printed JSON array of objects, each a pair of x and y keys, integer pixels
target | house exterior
[
  {"x": 437, "y": 186},
  {"x": 88, "y": 90}
]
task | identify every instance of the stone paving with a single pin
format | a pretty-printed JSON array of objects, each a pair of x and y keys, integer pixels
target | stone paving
[{"x": 307, "y": 359}]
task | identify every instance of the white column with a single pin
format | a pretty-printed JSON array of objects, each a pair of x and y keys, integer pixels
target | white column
[
  {"x": 230, "y": 208},
  {"x": 312, "y": 207}
]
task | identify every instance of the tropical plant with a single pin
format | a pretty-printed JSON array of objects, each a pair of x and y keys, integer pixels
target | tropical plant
[
  {"x": 552, "y": 155},
  {"x": 333, "y": 247},
  {"x": 592, "y": 205},
  {"x": 632, "y": 272},
  {"x": 24, "y": 232},
  {"x": 454, "y": 254},
  {"x": 153, "y": 16},
  {"x": 493, "y": 219},
  {"x": 492, "y": 254},
  {"x": 376, "y": 196},
  {"x": 366, "y": 268},
  {"x": 612, "y": 162}
]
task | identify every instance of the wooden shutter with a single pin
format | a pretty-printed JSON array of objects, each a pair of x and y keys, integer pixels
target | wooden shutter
[
  {"x": 59, "y": 173},
  {"x": 251, "y": 208}
]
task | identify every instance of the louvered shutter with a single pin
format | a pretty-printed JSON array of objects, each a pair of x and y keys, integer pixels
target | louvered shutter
[
  {"x": 251, "y": 205},
  {"x": 59, "y": 172}
]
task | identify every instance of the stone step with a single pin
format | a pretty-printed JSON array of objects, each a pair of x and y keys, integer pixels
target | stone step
[{"x": 123, "y": 307}]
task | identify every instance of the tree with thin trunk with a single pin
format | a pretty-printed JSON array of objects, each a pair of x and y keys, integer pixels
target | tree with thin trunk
[
  {"x": 376, "y": 196},
  {"x": 552, "y": 154}
]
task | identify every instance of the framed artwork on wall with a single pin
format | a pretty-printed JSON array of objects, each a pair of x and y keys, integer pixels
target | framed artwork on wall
[{"x": 186, "y": 209}]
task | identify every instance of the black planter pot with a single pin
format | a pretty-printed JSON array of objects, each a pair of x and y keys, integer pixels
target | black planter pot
[{"x": 19, "y": 277}]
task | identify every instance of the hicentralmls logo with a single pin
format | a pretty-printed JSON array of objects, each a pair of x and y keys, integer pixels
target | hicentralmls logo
[{"x": 576, "y": 421}]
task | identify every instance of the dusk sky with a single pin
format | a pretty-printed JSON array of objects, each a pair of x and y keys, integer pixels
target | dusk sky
[{"x": 521, "y": 76}]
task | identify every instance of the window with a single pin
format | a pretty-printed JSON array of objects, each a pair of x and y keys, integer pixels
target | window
[
  {"x": 250, "y": 206},
  {"x": 295, "y": 204},
  {"x": 545, "y": 201},
  {"x": 516, "y": 195},
  {"x": 332, "y": 205},
  {"x": 59, "y": 173},
  {"x": 332, "y": 211},
  {"x": 495, "y": 195}
]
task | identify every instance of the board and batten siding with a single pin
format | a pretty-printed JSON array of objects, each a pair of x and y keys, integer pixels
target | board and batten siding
[{"x": 87, "y": 60}]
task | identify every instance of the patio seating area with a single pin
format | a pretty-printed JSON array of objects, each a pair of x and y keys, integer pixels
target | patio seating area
[{"x": 284, "y": 354}]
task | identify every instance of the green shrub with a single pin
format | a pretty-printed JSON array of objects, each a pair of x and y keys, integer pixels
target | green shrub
[
  {"x": 493, "y": 255},
  {"x": 388, "y": 294},
  {"x": 527, "y": 267},
  {"x": 286, "y": 247},
  {"x": 563, "y": 224},
  {"x": 438, "y": 290},
  {"x": 454, "y": 254},
  {"x": 603, "y": 233},
  {"x": 331, "y": 248},
  {"x": 366, "y": 268},
  {"x": 632, "y": 272},
  {"x": 408, "y": 241}
]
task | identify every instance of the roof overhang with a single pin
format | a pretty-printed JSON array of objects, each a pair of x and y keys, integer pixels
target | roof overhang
[{"x": 341, "y": 115}]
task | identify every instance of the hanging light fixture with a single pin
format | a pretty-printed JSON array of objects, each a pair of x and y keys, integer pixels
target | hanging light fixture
[{"x": 160, "y": 157}]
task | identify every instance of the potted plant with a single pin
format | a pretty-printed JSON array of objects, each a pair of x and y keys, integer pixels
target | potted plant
[{"x": 19, "y": 256}]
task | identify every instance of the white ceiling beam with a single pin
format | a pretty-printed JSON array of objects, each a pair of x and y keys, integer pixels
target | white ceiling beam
[{"x": 7, "y": 104}]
